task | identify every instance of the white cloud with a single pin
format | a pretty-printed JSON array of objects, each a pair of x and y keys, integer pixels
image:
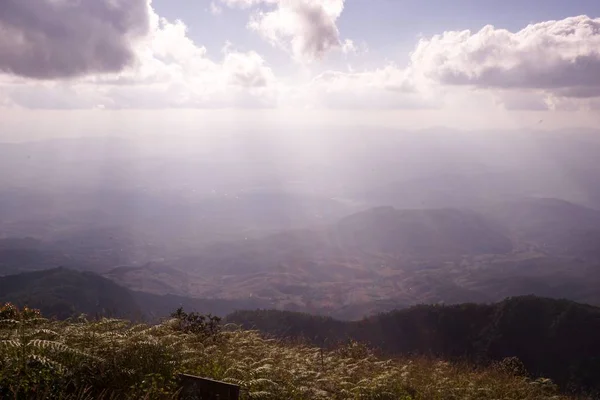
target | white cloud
[
  {"x": 561, "y": 58},
  {"x": 389, "y": 87},
  {"x": 247, "y": 3},
  {"x": 305, "y": 28},
  {"x": 551, "y": 65},
  {"x": 247, "y": 69},
  {"x": 391, "y": 78},
  {"x": 171, "y": 72},
  {"x": 215, "y": 9},
  {"x": 521, "y": 100},
  {"x": 349, "y": 47}
]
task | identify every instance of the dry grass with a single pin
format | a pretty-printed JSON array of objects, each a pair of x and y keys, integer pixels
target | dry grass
[{"x": 114, "y": 359}]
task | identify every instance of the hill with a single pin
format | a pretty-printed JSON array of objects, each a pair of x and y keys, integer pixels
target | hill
[
  {"x": 421, "y": 232},
  {"x": 109, "y": 359},
  {"x": 380, "y": 255},
  {"x": 155, "y": 307},
  {"x": 551, "y": 225},
  {"x": 368, "y": 262},
  {"x": 524, "y": 327},
  {"x": 29, "y": 254},
  {"x": 62, "y": 293}
]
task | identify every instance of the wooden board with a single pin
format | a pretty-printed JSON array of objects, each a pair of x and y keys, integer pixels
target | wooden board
[{"x": 197, "y": 388}]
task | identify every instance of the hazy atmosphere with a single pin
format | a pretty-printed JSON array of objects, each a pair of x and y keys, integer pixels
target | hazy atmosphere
[{"x": 421, "y": 178}]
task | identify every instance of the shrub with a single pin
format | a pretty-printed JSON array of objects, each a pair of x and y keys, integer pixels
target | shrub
[
  {"x": 199, "y": 324},
  {"x": 115, "y": 359}
]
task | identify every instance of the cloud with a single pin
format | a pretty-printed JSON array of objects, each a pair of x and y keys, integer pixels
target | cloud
[
  {"x": 521, "y": 100},
  {"x": 389, "y": 87},
  {"x": 215, "y": 9},
  {"x": 247, "y": 3},
  {"x": 46, "y": 39},
  {"x": 390, "y": 78},
  {"x": 561, "y": 58},
  {"x": 305, "y": 28},
  {"x": 247, "y": 69},
  {"x": 171, "y": 72},
  {"x": 151, "y": 62},
  {"x": 349, "y": 47}
]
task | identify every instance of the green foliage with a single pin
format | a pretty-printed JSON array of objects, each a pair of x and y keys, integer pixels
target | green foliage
[
  {"x": 521, "y": 336},
  {"x": 199, "y": 324},
  {"x": 62, "y": 293},
  {"x": 115, "y": 359},
  {"x": 512, "y": 366}
]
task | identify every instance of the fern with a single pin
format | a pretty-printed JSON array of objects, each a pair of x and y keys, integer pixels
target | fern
[{"x": 110, "y": 359}]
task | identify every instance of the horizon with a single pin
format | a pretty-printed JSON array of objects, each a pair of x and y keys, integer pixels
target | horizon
[{"x": 467, "y": 65}]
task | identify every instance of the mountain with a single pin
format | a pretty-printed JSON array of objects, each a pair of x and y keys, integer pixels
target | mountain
[
  {"x": 84, "y": 249},
  {"x": 132, "y": 360},
  {"x": 551, "y": 225},
  {"x": 431, "y": 232},
  {"x": 154, "y": 307},
  {"x": 377, "y": 255},
  {"x": 553, "y": 338},
  {"x": 371, "y": 261},
  {"x": 29, "y": 254},
  {"x": 384, "y": 258},
  {"x": 62, "y": 293}
]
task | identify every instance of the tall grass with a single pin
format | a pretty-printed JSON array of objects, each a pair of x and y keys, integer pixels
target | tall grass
[{"x": 116, "y": 359}]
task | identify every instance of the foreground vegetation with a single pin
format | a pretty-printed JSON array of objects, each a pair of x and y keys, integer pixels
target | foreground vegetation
[
  {"x": 556, "y": 339},
  {"x": 110, "y": 358}
]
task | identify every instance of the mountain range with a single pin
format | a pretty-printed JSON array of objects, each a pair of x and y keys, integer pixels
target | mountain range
[
  {"x": 347, "y": 223},
  {"x": 371, "y": 261}
]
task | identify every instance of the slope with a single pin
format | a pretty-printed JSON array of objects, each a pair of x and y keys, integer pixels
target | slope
[
  {"x": 62, "y": 293},
  {"x": 524, "y": 327}
]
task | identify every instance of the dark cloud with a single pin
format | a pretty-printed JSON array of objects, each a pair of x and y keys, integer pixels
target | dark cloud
[{"x": 47, "y": 39}]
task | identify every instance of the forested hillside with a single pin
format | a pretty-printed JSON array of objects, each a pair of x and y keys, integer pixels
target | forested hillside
[
  {"x": 63, "y": 293},
  {"x": 116, "y": 359},
  {"x": 553, "y": 338}
]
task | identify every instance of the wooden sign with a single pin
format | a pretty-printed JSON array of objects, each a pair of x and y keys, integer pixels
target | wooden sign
[{"x": 196, "y": 388}]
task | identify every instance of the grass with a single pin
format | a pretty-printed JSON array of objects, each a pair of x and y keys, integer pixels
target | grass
[{"x": 116, "y": 359}]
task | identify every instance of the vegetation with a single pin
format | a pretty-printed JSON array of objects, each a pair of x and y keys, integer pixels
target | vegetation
[
  {"x": 384, "y": 258},
  {"x": 110, "y": 358},
  {"x": 376, "y": 260},
  {"x": 62, "y": 293},
  {"x": 557, "y": 339}
]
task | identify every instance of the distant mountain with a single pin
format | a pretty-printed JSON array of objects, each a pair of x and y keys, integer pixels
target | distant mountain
[
  {"x": 421, "y": 232},
  {"x": 159, "y": 306},
  {"x": 380, "y": 231},
  {"x": 380, "y": 256},
  {"x": 551, "y": 225},
  {"x": 553, "y": 338},
  {"x": 62, "y": 293},
  {"x": 87, "y": 249},
  {"x": 474, "y": 186},
  {"x": 535, "y": 214},
  {"x": 371, "y": 261},
  {"x": 28, "y": 254},
  {"x": 123, "y": 225}
]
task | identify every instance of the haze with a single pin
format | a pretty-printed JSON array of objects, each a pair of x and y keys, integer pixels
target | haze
[{"x": 338, "y": 157}]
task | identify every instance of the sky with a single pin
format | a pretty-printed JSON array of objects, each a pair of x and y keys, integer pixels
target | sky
[{"x": 73, "y": 65}]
